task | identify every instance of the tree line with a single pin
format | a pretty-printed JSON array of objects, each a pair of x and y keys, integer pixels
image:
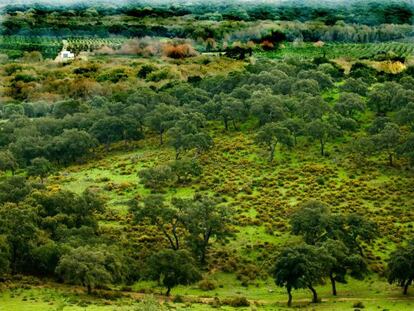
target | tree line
[
  {"x": 57, "y": 234},
  {"x": 283, "y": 102}
]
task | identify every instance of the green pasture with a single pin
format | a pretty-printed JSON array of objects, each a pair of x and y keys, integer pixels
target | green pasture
[{"x": 341, "y": 50}]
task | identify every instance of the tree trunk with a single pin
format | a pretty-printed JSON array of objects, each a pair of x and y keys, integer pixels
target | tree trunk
[
  {"x": 406, "y": 286},
  {"x": 173, "y": 246},
  {"x": 168, "y": 291},
  {"x": 390, "y": 159},
  {"x": 206, "y": 239},
  {"x": 333, "y": 282},
  {"x": 322, "y": 148},
  {"x": 226, "y": 124},
  {"x": 107, "y": 147},
  {"x": 289, "y": 291},
  {"x": 203, "y": 251},
  {"x": 161, "y": 140},
  {"x": 315, "y": 295},
  {"x": 14, "y": 261},
  {"x": 89, "y": 289},
  {"x": 272, "y": 152},
  {"x": 177, "y": 244}
]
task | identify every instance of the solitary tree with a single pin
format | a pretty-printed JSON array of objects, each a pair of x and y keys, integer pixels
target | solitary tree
[
  {"x": 204, "y": 218},
  {"x": 401, "y": 267},
  {"x": 157, "y": 177},
  {"x": 356, "y": 230},
  {"x": 381, "y": 98},
  {"x": 90, "y": 267},
  {"x": 167, "y": 218},
  {"x": 8, "y": 161},
  {"x": 271, "y": 134},
  {"x": 232, "y": 109},
  {"x": 312, "y": 107},
  {"x": 138, "y": 112},
  {"x": 388, "y": 140},
  {"x": 172, "y": 268},
  {"x": 187, "y": 133},
  {"x": 313, "y": 221},
  {"x": 162, "y": 118},
  {"x": 349, "y": 104},
  {"x": 185, "y": 169},
  {"x": 39, "y": 167},
  {"x": 302, "y": 266},
  {"x": 296, "y": 126},
  {"x": 343, "y": 262},
  {"x": 267, "y": 107},
  {"x": 108, "y": 130},
  {"x": 321, "y": 131}
]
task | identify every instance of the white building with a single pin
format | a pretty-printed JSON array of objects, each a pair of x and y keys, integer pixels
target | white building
[{"x": 65, "y": 56}]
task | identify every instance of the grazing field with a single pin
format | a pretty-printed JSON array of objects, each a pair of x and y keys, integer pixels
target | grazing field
[{"x": 53, "y": 297}]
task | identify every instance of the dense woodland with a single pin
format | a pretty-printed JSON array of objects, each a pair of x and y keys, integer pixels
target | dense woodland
[
  {"x": 360, "y": 22},
  {"x": 317, "y": 158}
]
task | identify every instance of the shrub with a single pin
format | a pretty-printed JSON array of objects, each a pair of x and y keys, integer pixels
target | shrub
[
  {"x": 207, "y": 285},
  {"x": 237, "y": 302},
  {"x": 145, "y": 71},
  {"x": 179, "y": 50},
  {"x": 320, "y": 181},
  {"x": 267, "y": 45},
  {"x": 178, "y": 299},
  {"x": 113, "y": 76},
  {"x": 162, "y": 74},
  {"x": 358, "y": 305},
  {"x": 156, "y": 178}
]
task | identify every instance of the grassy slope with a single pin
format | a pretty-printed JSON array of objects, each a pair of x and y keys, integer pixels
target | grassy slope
[{"x": 264, "y": 195}]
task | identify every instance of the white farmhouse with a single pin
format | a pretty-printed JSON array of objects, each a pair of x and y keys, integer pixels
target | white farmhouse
[{"x": 65, "y": 56}]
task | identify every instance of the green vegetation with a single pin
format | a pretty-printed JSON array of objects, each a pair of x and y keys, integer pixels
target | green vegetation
[
  {"x": 193, "y": 160},
  {"x": 332, "y": 50}
]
